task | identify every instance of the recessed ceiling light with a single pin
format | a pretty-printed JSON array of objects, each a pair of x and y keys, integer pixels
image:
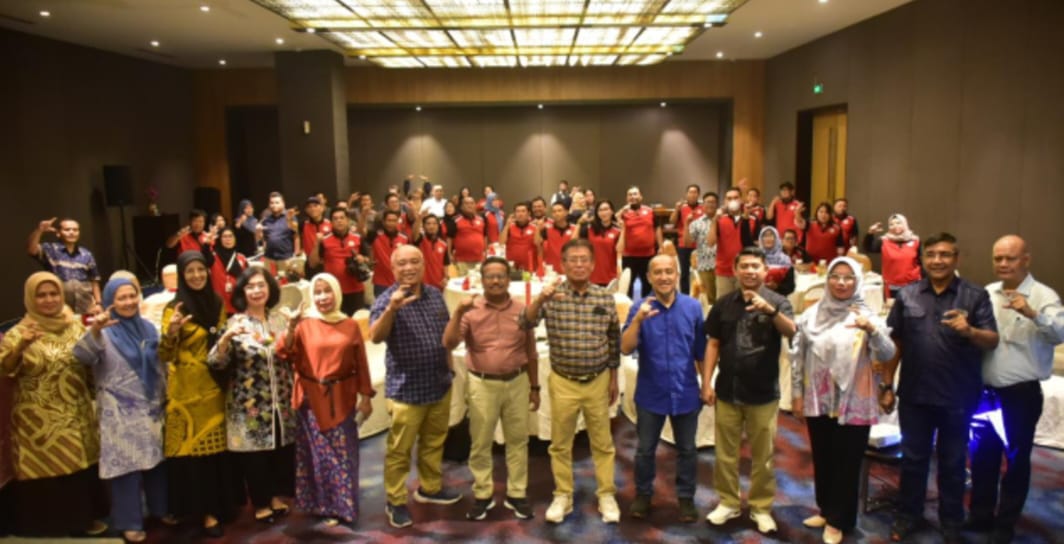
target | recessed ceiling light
[
  {"x": 45, "y": 13},
  {"x": 823, "y": 1},
  {"x": 663, "y": 104},
  {"x": 279, "y": 41},
  {"x": 363, "y": 57},
  {"x": 758, "y": 34},
  {"x": 221, "y": 61},
  {"x": 311, "y": 30},
  {"x": 720, "y": 54},
  {"x": 417, "y": 108},
  {"x": 707, "y": 25},
  {"x": 540, "y": 106},
  {"x": 205, "y": 8},
  {"x": 155, "y": 43}
]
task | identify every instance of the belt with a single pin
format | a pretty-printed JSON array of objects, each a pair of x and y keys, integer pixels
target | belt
[
  {"x": 498, "y": 377},
  {"x": 328, "y": 383},
  {"x": 580, "y": 378}
]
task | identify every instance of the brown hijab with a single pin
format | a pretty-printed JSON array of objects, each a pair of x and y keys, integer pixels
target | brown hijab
[{"x": 51, "y": 323}]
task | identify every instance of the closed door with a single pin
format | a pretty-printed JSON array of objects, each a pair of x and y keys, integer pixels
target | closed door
[{"x": 828, "y": 180}]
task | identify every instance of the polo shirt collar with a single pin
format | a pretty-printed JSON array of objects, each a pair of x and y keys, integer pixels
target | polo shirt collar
[{"x": 925, "y": 285}]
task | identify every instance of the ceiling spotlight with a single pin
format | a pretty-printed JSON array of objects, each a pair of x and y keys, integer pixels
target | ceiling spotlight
[
  {"x": 540, "y": 106},
  {"x": 823, "y": 1},
  {"x": 362, "y": 57},
  {"x": 663, "y": 104},
  {"x": 758, "y": 34},
  {"x": 707, "y": 25},
  {"x": 417, "y": 108},
  {"x": 46, "y": 13},
  {"x": 205, "y": 8},
  {"x": 279, "y": 41},
  {"x": 221, "y": 61},
  {"x": 720, "y": 54},
  {"x": 311, "y": 30},
  {"x": 155, "y": 43}
]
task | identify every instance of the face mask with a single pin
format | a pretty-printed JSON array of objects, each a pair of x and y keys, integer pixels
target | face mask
[{"x": 733, "y": 206}]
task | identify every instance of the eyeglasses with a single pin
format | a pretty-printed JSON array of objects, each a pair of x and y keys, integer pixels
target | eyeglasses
[
  {"x": 940, "y": 254},
  {"x": 840, "y": 278}
]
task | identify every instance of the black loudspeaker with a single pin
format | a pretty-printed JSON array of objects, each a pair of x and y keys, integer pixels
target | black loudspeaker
[
  {"x": 207, "y": 199},
  {"x": 118, "y": 185}
]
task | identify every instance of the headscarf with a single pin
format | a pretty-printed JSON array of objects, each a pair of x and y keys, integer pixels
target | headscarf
[
  {"x": 126, "y": 275},
  {"x": 906, "y": 236},
  {"x": 490, "y": 207},
  {"x": 841, "y": 353},
  {"x": 226, "y": 255},
  {"x": 135, "y": 338},
  {"x": 204, "y": 305},
  {"x": 54, "y": 324},
  {"x": 774, "y": 255},
  {"x": 336, "y": 315}
]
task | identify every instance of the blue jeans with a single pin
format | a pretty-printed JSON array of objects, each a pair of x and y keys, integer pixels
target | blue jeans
[
  {"x": 648, "y": 427},
  {"x": 919, "y": 423}
]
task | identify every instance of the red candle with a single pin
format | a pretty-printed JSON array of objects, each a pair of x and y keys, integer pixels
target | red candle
[
  {"x": 531, "y": 261},
  {"x": 528, "y": 291}
]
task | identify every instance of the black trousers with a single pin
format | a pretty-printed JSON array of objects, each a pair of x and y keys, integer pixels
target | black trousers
[
  {"x": 353, "y": 302},
  {"x": 638, "y": 266},
  {"x": 926, "y": 428},
  {"x": 685, "y": 268},
  {"x": 268, "y": 474},
  {"x": 1021, "y": 406},
  {"x": 837, "y": 454}
]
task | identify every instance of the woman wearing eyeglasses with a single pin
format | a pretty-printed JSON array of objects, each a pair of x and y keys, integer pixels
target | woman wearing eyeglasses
[{"x": 836, "y": 391}]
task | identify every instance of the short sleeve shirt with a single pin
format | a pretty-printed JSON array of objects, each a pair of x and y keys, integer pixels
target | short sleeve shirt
[
  {"x": 749, "y": 365},
  {"x": 416, "y": 370}
]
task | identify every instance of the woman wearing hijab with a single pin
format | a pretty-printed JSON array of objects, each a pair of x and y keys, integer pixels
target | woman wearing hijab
[
  {"x": 226, "y": 264},
  {"x": 200, "y": 474},
  {"x": 494, "y": 217},
  {"x": 260, "y": 420},
  {"x": 901, "y": 252},
  {"x": 54, "y": 432},
  {"x": 836, "y": 391},
  {"x": 780, "y": 276},
  {"x": 328, "y": 355},
  {"x": 122, "y": 349}
]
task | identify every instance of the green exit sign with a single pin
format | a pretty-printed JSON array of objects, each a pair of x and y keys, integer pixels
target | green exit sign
[{"x": 818, "y": 88}]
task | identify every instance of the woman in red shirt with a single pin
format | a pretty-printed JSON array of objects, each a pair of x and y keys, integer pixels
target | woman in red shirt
[
  {"x": 226, "y": 264},
  {"x": 823, "y": 237},
  {"x": 900, "y": 248},
  {"x": 605, "y": 236}
]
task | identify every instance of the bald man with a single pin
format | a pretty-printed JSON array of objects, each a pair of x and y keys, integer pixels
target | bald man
[
  {"x": 1030, "y": 321},
  {"x": 411, "y": 317}
]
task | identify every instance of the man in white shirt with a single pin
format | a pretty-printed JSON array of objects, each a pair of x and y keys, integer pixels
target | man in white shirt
[
  {"x": 1030, "y": 321},
  {"x": 436, "y": 203}
]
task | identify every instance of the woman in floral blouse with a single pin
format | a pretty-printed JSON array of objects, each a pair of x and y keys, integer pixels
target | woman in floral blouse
[{"x": 260, "y": 420}]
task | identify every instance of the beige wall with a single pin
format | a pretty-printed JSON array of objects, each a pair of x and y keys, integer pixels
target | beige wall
[{"x": 956, "y": 119}]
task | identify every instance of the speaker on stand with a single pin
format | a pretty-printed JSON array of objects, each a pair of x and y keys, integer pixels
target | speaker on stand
[{"x": 118, "y": 190}]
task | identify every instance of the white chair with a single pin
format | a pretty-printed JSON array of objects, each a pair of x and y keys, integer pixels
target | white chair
[
  {"x": 626, "y": 280},
  {"x": 811, "y": 296},
  {"x": 291, "y": 296}
]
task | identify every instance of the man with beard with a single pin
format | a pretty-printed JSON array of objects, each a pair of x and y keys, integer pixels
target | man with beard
[
  {"x": 641, "y": 240},
  {"x": 331, "y": 252},
  {"x": 783, "y": 208}
]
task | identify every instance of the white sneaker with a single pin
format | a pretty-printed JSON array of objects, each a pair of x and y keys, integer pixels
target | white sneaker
[
  {"x": 764, "y": 521},
  {"x": 721, "y": 514},
  {"x": 561, "y": 506},
  {"x": 611, "y": 513}
]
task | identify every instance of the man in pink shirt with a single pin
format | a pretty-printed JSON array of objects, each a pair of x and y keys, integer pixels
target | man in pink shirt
[{"x": 503, "y": 383}]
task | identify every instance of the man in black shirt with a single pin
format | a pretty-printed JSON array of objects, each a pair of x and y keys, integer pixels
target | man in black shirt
[{"x": 745, "y": 329}]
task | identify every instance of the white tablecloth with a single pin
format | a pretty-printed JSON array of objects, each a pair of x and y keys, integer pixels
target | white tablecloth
[
  {"x": 704, "y": 434},
  {"x": 1050, "y": 429}
]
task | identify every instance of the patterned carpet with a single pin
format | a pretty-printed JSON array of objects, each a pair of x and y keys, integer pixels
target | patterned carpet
[{"x": 1043, "y": 519}]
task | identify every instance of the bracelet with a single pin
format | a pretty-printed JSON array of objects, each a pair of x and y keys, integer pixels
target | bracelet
[{"x": 535, "y": 388}]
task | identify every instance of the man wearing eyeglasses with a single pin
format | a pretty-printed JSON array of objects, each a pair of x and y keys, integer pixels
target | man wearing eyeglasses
[
  {"x": 503, "y": 385},
  {"x": 584, "y": 336},
  {"x": 1030, "y": 321},
  {"x": 942, "y": 325}
]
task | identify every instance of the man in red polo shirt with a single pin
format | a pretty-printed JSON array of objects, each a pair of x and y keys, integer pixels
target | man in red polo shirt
[
  {"x": 380, "y": 244},
  {"x": 330, "y": 252},
  {"x": 783, "y": 208},
  {"x": 519, "y": 237},
  {"x": 686, "y": 210},
  {"x": 731, "y": 232},
  {"x": 554, "y": 235},
  {"x": 641, "y": 240},
  {"x": 191, "y": 237},
  {"x": 309, "y": 230},
  {"x": 846, "y": 222},
  {"x": 434, "y": 249},
  {"x": 468, "y": 243},
  {"x": 753, "y": 203},
  {"x": 406, "y": 218}
]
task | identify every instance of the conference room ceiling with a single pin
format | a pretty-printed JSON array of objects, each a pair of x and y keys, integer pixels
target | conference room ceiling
[{"x": 439, "y": 33}]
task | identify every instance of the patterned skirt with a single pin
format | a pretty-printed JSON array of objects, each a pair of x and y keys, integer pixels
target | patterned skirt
[{"x": 327, "y": 467}]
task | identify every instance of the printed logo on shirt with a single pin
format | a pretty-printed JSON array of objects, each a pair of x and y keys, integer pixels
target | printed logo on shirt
[
  {"x": 440, "y": 249},
  {"x": 350, "y": 243},
  {"x": 530, "y": 231},
  {"x": 610, "y": 235},
  {"x": 644, "y": 211},
  {"x": 326, "y": 229}
]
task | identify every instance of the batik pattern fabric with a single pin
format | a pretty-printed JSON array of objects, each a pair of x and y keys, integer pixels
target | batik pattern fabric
[
  {"x": 195, "y": 408},
  {"x": 327, "y": 467}
]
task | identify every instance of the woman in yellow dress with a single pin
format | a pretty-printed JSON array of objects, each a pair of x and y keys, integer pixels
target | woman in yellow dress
[{"x": 54, "y": 431}]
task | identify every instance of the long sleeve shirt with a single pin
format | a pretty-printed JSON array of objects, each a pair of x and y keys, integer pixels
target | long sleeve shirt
[{"x": 1025, "y": 352}]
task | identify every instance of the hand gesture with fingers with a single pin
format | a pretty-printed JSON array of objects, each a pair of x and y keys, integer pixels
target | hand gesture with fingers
[
  {"x": 755, "y": 303},
  {"x": 30, "y": 333},
  {"x": 876, "y": 228},
  {"x": 466, "y": 304},
  {"x": 48, "y": 225},
  {"x": 102, "y": 320},
  {"x": 1017, "y": 302},
  {"x": 548, "y": 292},
  {"x": 646, "y": 309},
  {"x": 401, "y": 297},
  {"x": 861, "y": 321},
  {"x": 957, "y": 320},
  {"x": 294, "y": 316},
  {"x": 177, "y": 320}
]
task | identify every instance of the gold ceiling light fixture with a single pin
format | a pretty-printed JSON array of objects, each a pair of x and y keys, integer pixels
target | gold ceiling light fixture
[{"x": 506, "y": 33}]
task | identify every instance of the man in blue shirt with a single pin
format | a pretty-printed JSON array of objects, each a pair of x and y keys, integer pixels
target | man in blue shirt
[
  {"x": 412, "y": 318},
  {"x": 667, "y": 329},
  {"x": 942, "y": 324},
  {"x": 74, "y": 264},
  {"x": 278, "y": 229}
]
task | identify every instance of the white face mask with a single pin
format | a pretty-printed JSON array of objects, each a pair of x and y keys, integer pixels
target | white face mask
[{"x": 733, "y": 206}]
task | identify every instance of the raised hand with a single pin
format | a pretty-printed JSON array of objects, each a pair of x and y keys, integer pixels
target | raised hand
[
  {"x": 754, "y": 303},
  {"x": 861, "y": 321},
  {"x": 876, "y": 228},
  {"x": 1018, "y": 303},
  {"x": 294, "y": 316},
  {"x": 646, "y": 309},
  {"x": 102, "y": 320},
  {"x": 548, "y": 292},
  {"x": 30, "y": 333},
  {"x": 401, "y": 297},
  {"x": 177, "y": 320},
  {"x": 48, "y": 225},
  {"x": 466, "y": 304}
]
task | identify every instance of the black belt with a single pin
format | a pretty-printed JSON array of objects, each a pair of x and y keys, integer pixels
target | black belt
[
  {"x": 580, "y": 378},
  {"x": 509, "y": 376},
  {"x": 328, "y": 383}
]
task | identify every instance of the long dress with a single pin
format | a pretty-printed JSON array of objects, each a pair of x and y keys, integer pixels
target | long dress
[
  {"x": 54, "y": 435},
  {"x": 327, "y": 432},
  {"x": 201, "y": 476},
  {"x": 260, "y": 419}
]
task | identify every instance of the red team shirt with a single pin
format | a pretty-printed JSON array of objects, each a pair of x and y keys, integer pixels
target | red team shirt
[
  {"x": 521, "y": 246},
  {"x": 639, "y": 240},
  {"x": 605, "y": 246},
  {"x": 334, "y": 251},
  {"x": 822, "y": 243},
  {"x": 553, "y": 240},
  {"x": 468, "y": 243},
  {"x": 784, "y": 214},
  {"x": 383, "y": 246},
  {"x": 310, "y": 233},
  {"x": 435, "y": 252},
  {"x": 688, "y": 213}
]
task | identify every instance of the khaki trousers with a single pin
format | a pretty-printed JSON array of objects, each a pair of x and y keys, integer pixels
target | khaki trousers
[
  {"x": 568, "y": 399},
  {"x": 726, "y": 285},
  {"x": 759, "y": 422},
  {"x": 709, "y": 285},
  {"x": 489, "y": 401},
  {"x": 425, "y": 424}
]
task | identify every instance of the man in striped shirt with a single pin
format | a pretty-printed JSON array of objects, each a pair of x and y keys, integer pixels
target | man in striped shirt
[{"x": 584, "y": 336}]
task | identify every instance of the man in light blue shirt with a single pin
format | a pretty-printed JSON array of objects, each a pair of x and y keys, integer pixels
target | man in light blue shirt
[
  {"x": 1030, "y": 321},
  {"x": 667, "y": 329}
]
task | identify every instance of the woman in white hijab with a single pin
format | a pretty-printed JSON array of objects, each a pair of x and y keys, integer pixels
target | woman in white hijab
[
  {"x": 900, "y": 248},
  {"x": 836, "y": 390}
]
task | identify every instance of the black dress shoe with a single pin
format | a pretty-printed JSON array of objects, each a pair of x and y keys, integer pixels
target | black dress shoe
[
  {"x": 1002, "y": 535},
  {"x": 214, "y": 531},
  {"x": 978, "y": 525}
]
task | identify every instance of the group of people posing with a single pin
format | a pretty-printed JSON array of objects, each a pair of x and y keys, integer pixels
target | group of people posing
[{"x": 231, "y": 396}]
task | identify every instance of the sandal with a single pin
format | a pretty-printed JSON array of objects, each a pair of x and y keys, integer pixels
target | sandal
[
  {"x": 134, "y": 536},
  {"x": 265, "y": 515}
]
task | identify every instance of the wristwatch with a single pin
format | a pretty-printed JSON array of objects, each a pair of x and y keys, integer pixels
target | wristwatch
[{"x": 884, "y": 387}]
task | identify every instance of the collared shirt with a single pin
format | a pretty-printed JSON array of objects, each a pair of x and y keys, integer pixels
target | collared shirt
[
  {"x": 279, "y": 237},
  {"x": 749, "y": 356},
  {"x": 939, "y": 366},
  {"x": 639, "y": 232},
  {"x": 697, "y": 232},
  {"x": 669, "y": 344},
  {"x": 434, "y": 206},
  {"x": 416, "y": 370},
  {"x": 495, "y": 342},
  {"x": 582, "y": 329},
  {"x": 77, "y": 266},
  {"x": 1025, "y": 352}
]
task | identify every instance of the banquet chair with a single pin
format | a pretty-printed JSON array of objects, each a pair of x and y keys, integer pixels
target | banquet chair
[{"x": 625, "y": 281}]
